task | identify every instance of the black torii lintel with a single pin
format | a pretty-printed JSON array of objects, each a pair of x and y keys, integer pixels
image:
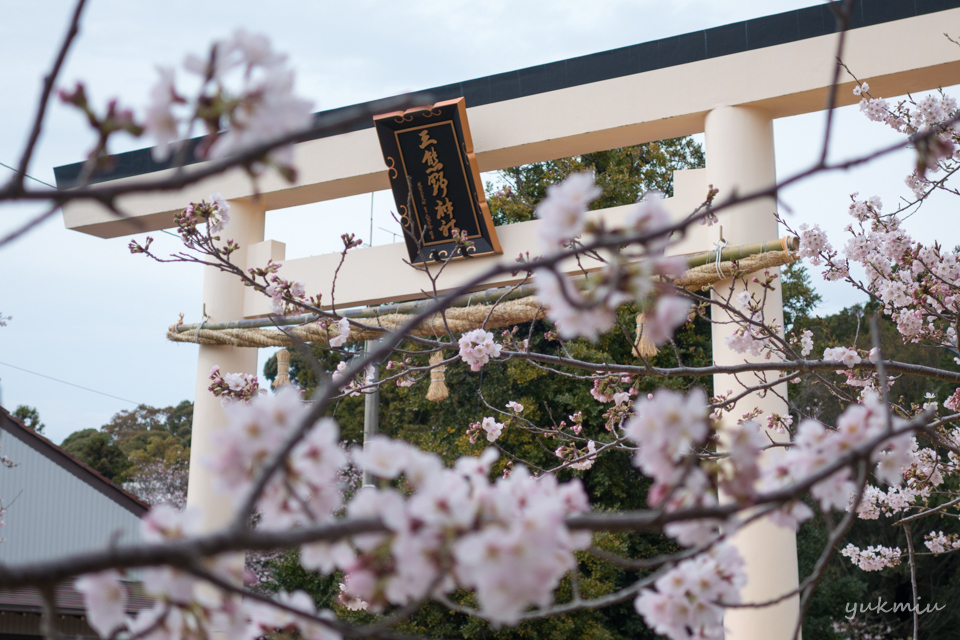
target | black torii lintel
[{"x": 757, "y": 33}]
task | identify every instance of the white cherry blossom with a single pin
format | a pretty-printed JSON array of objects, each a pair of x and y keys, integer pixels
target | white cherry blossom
[{"x": 105, "y": 599}]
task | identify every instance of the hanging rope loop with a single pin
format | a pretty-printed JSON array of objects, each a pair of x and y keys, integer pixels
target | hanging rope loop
[{"x": 438, "y": 389}]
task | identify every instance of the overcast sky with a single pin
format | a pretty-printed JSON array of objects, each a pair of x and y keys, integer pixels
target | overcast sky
[{"x": 87, "y": 312}]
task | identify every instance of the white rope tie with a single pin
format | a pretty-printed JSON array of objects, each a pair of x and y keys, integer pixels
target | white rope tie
[
  {"x": 720, "y": 244},
  {"x": 196, "y": 334}
]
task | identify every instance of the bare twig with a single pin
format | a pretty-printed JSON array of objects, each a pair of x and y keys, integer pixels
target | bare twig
[
  {"x": 911, "y": 556},
  {"x": 16, "y": 183}
]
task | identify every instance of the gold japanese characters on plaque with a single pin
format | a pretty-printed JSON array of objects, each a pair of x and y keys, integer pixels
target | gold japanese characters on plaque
[{"x": 428, "y": 150}]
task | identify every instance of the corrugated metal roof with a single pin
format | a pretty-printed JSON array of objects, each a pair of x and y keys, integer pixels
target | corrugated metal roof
[
  {"x": 68, "y": 600},
  {"x": 77, "y": 467},
  {"x": 57, "y": 505},
  {"x": 26, "y": 626}
]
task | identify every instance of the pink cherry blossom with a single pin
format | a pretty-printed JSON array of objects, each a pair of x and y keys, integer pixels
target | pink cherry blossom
[
  {"x": 873, "y": 558},
  {"x": 574, "y": 315},
  {"x": 477, "y": 347},
  {"x": 669, "y": 313},
  {"x": 562, "y": 211},
  {"x": 940, "y": 543},
  {"x": 105, "y": 600},
  {"x": 343, "y": 333},
  {"x": 382, "y": 456},
  {"x": 687, "y": 602},
  {"x": 492, "y": 428},
  {"x": 665, "y": 428}
]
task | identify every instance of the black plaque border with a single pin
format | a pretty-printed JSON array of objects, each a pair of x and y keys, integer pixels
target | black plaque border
[{"x": 454, "y": 112}]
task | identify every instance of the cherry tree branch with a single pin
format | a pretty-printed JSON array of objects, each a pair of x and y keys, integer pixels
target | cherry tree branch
[{"x": 15, "y": 186}]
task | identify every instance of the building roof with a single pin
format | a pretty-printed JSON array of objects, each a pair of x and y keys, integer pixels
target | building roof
[
  {"x": 76, "y": 467},
  {"x": 68, "y": 600},
  {"x": 52, "y": 514},
  {"x": 57, "y": 506}
]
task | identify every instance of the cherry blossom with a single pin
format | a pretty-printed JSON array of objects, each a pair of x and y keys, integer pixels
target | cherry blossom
[
  {"x": 343, "y": 333},
  {"x": 308, "y": 491},
  {"x": 873, "y": 558},
  {"x": 325, "y": 557},
  {"x": 587, "y": 307},
  {"x": 813, "y": 243},
  {"x": 586, "y": 457},
  {"x": 739, "y": 472},
  {"x": 353, "y": 604},
  {"x": 159, "y": 119},
  {"x": 492, "y": 428},
  {"x": 382, "y": 456},
  {"x": 806, "y": 343},
  {"x": 231, "y": 387},
  {"x": 940, "y": 543},
  {"x": 246, "y": 99},
  {"x": 477, "y": 347},
  {"x": 669, "y": 313},
  {"x": 574, "y": 314},
  {"x": 953, "y": 402},
  {"x": 105, "y": 599},
  {"x": 744, "y": 340},
  {"x": 666, "y": 427},
  {"x": 280, "y": 291},
  {"x": 515, "y": 521},
  {"x": 649, "y": 214},
  {"x": 689, "y": 597},
  {"x": 166, "y": 522},
  {"x": 219, "y": 216},
  {"x": 266, "y": 619},
  {"x": 562, "y": 211},
  {"x": 847, "y": 356},
  {"x": 353, "y": 387}
]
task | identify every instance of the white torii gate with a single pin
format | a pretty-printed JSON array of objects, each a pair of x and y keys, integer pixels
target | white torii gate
[{"x": 730, "y": 82}]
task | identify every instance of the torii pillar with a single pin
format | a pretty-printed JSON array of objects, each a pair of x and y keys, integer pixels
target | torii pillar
[
  {"x": 740, "y": 156},
  {"x": 222, "y": 302}
]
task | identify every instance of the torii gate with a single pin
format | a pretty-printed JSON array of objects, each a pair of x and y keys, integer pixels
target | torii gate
[{"x": 730, "y": 82}]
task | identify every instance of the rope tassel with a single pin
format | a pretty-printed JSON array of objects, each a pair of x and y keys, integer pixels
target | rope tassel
[
  {"x": 283, "y": 369},
  {"x": 438, "y": 388},
  {"x": 643, "y": 347}
]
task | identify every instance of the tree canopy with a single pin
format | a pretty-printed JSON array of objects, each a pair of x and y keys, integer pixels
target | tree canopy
[
  {"x": 135, "y": 440},
  {"x": 30, "y": 417}
]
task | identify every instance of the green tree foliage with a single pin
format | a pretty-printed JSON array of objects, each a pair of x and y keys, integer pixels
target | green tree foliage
[
  {"x": 30, "y": 418},
  {"x": 799, "y": 297},
  {"x": 99, "y": 451},
  {"x": 136, "y": 439},
  {"x": 624, "y": 174},
  {"x": 148, "y": 433}
]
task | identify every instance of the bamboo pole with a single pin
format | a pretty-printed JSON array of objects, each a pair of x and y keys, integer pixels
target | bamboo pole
[
  {"x": 513, "y": 304},
  {"x": 406, "y": 308},
  {"x": 787, "y": 244}
]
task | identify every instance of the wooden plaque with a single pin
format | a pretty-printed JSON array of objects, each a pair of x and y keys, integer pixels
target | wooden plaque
[{"x": 429, "y": 149}]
